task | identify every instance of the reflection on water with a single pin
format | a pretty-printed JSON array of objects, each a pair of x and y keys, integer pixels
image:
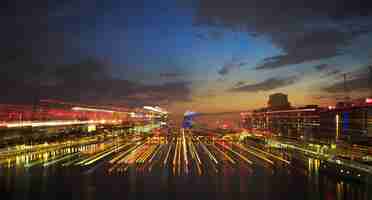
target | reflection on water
[
  {"x": 325, "y": 187},
  {"x": 83, "y": 172}
]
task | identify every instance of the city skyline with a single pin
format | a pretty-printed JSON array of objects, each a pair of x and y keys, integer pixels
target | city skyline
[{"x": 186, "y": 99}]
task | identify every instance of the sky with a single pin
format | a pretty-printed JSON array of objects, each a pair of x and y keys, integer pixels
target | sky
[{"x": 201, "y": 55}]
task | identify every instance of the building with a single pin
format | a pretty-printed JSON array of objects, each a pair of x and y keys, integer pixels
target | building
[
  {"x": 353, "y": 124},
  {"x": 347, "y": 123},
  {"x": 278, "y": 101},
  {"x": 295, "y": 122}
]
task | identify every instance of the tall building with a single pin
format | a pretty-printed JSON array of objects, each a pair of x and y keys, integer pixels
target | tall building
[{"x": 278, "y": 101}]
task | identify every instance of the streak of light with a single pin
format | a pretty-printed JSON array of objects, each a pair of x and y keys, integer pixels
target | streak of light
[
  {"x": 185, "y": 152},
  {"x": 160, "y": 149},
  {"x": 225, "y": 155},
  {"x": 236, "y": 153},
  {"x": 125, "y": 153},
  {"x": 175, "y": 157},
  {"x": 167, "y": 155},
  {"x": 112, "y": 150},
  {"x": 210, "y": 155},
  {"x": 44, "y": 159},
  {"x": 73, "y": 161},
  {"x": 254, "y": 153},
  {"x": 179, "y": 158},
  {"x": 195, "y": 155},
  {"x": 155, "y": 152},
  {"x": 143, "y": 157},
  {"x": 48, "y": 123},
  {"x": 119, "y": 159},
  {"x": 60, "y": 159},
  {"x": 270, "y": 154}
]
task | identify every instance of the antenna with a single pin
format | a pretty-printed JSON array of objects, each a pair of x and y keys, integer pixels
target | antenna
[
  {"x": 370, "y": 80},
  {"x": 345, "y": 90}
]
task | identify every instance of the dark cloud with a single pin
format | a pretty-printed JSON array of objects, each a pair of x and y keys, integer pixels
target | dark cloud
[
  {"x": 163, "y": 94},
  {"x": 170, "y": 75},
  {"x": 89, "y": 82},
  {"x": 357, "y": 81},
  {"x": 228, "y": 67},
  {"x": 327, "y": 70},
  {"x": 40, "y": 57},
  {"x": 210, "y": 35},
  {"x": 266, "y": 85},
  {"x": 322, "y": 67},
  {"x": 305, "y": 30},
  {"x": 333, "y": 72},
  {"x": 360, "y": 84},
  {"x": 239, "y": 83},
  {"x": 328, "y": 96}
]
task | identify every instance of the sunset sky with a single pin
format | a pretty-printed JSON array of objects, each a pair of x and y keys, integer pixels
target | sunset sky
[{"x": 202, "y": 55}]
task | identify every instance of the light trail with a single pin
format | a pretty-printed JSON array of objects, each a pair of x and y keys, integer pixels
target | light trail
[
  {"x": 167, "y": 155},
  {"x": 99, "y": 157},
  {"x": 125, "y": 153},
  {"x": 225, "y": 155},
  {"x": 236, "y": 153},
  {"x": 119, "y": 159},
  {"x": 210, "y": 155},
  {"x": 73, "y": 161},
  {"x": 160, "y": 149},
  {"x": 175, "y": 157},
  {"x": 254, "y": 153},
  {"x": 48, "y": 123},
  {"x": 195, "y": 153},
  {"x": 196, "y": 157},
  {"x": 60, "y": 159},
  {"x": 179, "y": 157},
  {"x": 185, "y": 152},
  {"x": 44, "y": 159},
  {"x": 146, "y": 154},
  {"x": 108, "y": 152},
  {"x": 270, "y": 154},
  {"x": 95, "y": 156},
  {"x": 135, "y": 154}
]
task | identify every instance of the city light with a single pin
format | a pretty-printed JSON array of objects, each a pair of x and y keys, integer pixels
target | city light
[
  {"x": 91, "y": 109},
  {"x": 50, "y": 123},
  {"x": 155, "y": 109},
  {"x": 200, "y": 99}
]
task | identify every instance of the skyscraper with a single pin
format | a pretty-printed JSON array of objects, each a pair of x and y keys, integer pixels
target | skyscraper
[{"x": 278, "y": 101}]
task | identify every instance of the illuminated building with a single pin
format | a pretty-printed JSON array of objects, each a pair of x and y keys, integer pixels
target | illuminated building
[
  {"x": 294, "y": 122},
  {"x": 347, "y": 123},
  {"x": 278, "y": 101},
  {"x": 353, "y": 123}
]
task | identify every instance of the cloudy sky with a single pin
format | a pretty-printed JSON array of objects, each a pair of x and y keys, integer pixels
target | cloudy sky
[{"x": 203, "y": 55}]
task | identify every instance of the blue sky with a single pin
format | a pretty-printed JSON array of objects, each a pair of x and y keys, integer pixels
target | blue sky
[
  {"x": 151, "y": 38},
  {"x": 201, "y": 54}
]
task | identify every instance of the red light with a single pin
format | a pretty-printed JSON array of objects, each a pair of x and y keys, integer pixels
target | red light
[{"x": 369, "y": 100}]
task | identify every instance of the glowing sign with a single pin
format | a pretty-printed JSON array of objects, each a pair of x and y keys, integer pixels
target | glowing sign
[{"x": 369, "y": 100}]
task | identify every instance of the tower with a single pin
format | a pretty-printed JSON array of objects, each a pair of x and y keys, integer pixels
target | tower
[
  {"x": 346, "y": 93},
  {"x": 278, "y": 101},
  {"x": 370, "y": 80}
]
